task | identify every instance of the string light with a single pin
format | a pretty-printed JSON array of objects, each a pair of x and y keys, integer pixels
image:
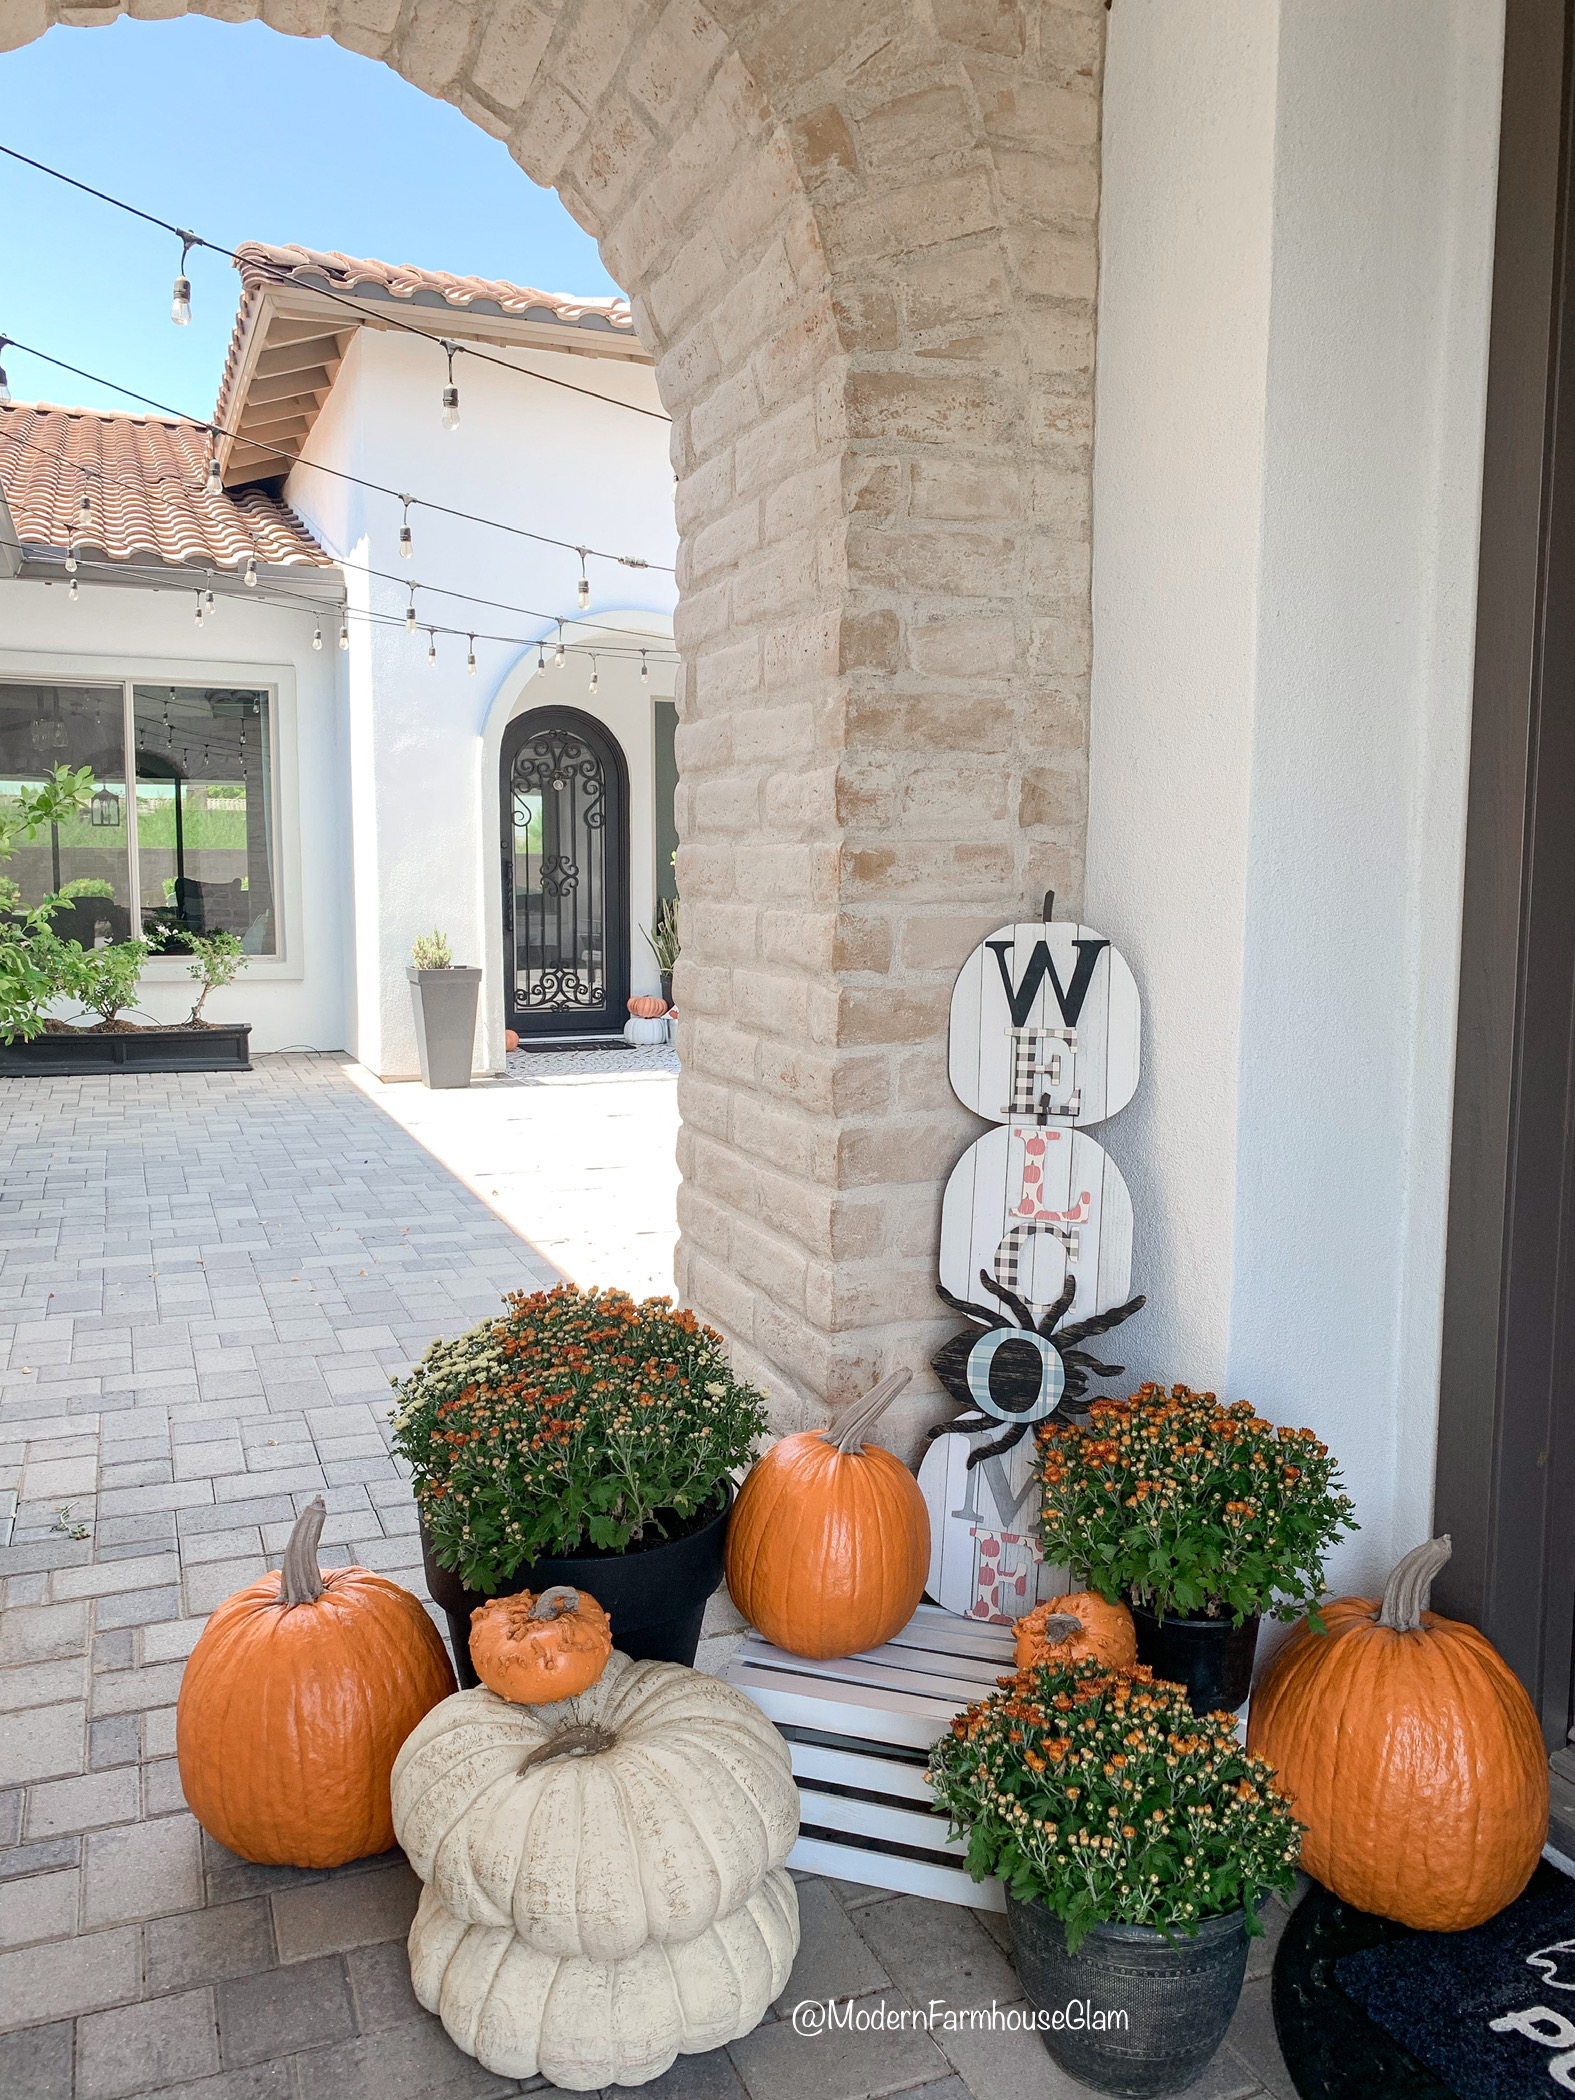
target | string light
[
  {"x": 431, "y": 647},
  {"x": 250, "y": 578},
  {"x": 198, "y": 614},
  {"x": 470, "y": 660},
  {"x": 317, "y": 635},
  {"x": 645, "y": 670},
  {"x": 71, "y": 555},
  {"x": 5, "y": 384},
  {"x": 410, "y": 612},
  {"x": 180, "y": 304},
  {"x": 344, "y": 634},
  {"x": 407, "y": 545},
  {"x": 559, "y": 657},
  {"x": 450, "y": 392},
  {"x": 215, "y": 478},
  {"x": 73, "y": 594},
  {"x": 595, "y": 676},
  {"x": 207, "y": 601},
  {"x": 582, "y": 589},
  {"x": 541, "y": 657}
]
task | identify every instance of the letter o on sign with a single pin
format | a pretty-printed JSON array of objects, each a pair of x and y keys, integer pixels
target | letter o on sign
[{"x": 1052, "y": 1375}]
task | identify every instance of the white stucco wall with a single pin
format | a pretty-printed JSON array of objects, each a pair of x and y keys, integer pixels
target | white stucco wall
[
  {"x": 301, "y": 998},
  {"x": 424, "y": 830},
  {"x": 1296, "y": 270}
]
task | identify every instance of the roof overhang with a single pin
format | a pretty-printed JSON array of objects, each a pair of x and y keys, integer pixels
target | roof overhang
[
  {"x": 314, "y": 583},
  {"x": 291, "y": 340}
]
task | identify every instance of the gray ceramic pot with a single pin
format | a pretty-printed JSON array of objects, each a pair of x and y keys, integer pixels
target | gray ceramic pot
[
  {"x": 445, "y": 1006},
  {"x": 1178, "y": 1997}
]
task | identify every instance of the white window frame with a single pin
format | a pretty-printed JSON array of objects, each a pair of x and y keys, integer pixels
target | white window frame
[{"x": 36, "y": 667}]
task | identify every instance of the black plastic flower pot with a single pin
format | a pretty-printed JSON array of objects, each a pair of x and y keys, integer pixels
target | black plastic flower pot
[
  {"x": 1211, "y": 1657},
  {"x": 654, "y": 1595},
  {"x": 1130, "y": 2012}
]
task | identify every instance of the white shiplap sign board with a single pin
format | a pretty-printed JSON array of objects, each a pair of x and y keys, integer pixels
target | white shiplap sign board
[
  {"x": 1071, "y": 1048},
  {"x": 1031, "y": 1204}
]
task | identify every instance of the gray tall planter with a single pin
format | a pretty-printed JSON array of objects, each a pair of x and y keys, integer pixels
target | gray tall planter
[{"x": 445, "y": 1005}]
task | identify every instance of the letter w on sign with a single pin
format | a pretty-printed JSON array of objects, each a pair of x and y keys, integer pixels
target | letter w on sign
[{"x": 1020, "y": 997}]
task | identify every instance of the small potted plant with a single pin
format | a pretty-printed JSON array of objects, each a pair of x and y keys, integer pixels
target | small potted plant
[
  {"x": 1204, "y": 1518},
  {"x": 662, "y": 940},
  {"x": 1136, "y": 1841},
  {"x": 443, "y": 994},
  {"x": 581, "y": 1439}
]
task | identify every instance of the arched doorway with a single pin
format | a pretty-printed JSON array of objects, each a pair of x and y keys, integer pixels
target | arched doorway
[{"x": 565, "y": 814}]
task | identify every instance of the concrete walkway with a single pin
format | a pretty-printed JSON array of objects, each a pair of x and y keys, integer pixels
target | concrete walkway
[{"x": 205, "y": 1285}]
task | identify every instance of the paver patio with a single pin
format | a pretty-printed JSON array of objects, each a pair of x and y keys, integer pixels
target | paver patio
[{"x": 206, "y": 1285}]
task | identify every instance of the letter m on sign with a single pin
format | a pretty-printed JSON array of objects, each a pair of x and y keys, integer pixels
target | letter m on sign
[{"x": 1021, "y": 996}]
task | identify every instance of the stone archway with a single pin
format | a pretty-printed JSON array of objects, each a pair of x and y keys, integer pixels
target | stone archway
[{"x": 860, "y": 236}]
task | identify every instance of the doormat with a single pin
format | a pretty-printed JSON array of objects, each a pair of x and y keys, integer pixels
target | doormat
[{"x": 1364, "y": 2006}]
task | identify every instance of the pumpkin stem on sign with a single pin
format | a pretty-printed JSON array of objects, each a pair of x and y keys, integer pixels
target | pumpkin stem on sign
[
  {"x": 1405, "y": 1593},
  {"x": 300, "y": 1580},
  {"x": 584, "y": 1741},
  {"x": 553, "y": 1603},
  {"x": 849, "y": 1433}
]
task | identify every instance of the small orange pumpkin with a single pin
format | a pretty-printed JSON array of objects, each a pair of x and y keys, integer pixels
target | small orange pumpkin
[
  {"x": 1411, "y": 1752},
  {"x": 535, "y": 1650},
  {"x": 647, "y": 1008},
  {"x": 829, "y": 1544},
  {"x": 1070, "y": 1628},
  {"x": 294, "y": 1704},
  {"x": 510, "y": 1040}
]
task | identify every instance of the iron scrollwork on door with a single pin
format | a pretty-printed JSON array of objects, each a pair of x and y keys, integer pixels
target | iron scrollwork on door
[{"x": 565, "y": 908}]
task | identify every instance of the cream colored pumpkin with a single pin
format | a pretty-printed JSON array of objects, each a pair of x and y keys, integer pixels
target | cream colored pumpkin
[
  {"x": 658, "y": 1817},
  {"x": 583, "y": 2023}
]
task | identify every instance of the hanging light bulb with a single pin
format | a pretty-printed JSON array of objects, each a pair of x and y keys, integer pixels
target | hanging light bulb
[
  {"x": 180, "y": 304},
  {"x": 198, "y": 614},
  {"x": 541, "y": 656},
  {"x": 207, "y": 602},
  {"x": 215, "y": 478},
  {"x": 595, "y": 676},
  {"x": 250, "y": 578},
  {"x": 645, "y": 670},
  {"x": 406, "y": 543},
  {"x": 71, "y": 557},
  {"x": 470, "y": 660},
  {"x": 317, "y": 635},
  {"x": 582, "y": 589},
  {"x": 73, "y": 594},
  {"x": 431, "y": 647},
  {"x": 559, "y": 656},
  {"x": 5, "y": 384},
  {"x": 410, "y": 612},
  {"x": 84, "y": 509},
  {"x": 450, "y": 393},
  {"x": 344, "y": 634}
]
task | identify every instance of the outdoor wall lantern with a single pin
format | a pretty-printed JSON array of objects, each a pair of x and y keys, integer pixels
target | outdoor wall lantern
[{"x": 105, "y": 810}]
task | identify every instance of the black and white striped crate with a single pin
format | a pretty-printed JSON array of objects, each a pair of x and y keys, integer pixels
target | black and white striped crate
[{"x": 860, "y": 1730}]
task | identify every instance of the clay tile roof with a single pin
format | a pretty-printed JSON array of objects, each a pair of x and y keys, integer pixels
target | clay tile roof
[
  {"x": 146, "y": 484},
  {"x": 260, "y": 263}
]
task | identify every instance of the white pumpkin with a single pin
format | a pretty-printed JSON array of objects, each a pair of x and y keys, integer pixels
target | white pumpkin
[
  {"x": 583, "y": 2023},
  {"x": 685, "y": 1801}
]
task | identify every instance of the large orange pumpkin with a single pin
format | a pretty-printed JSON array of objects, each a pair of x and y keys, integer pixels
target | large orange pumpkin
[
  {"x": 1070, "y": 1628},
  {"x": 295, "y": 1702},
  {"x": 534, "y": 1651},
  {"x": 829, "y": 1544},
  {"x": 1411, "y": 1752}
]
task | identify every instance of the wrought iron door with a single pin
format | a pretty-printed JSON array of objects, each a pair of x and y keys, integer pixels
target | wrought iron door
[{"x": 565, "y": 876}]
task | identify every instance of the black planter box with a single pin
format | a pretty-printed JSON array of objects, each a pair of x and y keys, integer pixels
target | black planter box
[{"x": 226, "y": 1047}]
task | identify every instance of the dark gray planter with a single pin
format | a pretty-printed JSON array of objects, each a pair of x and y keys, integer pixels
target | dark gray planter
[
  {"x": 445, "y": 1007},
  {"x": 1178, "y": 1996},
  {"x": 1212, "y": 1658},
  {"x": 225, "y": 1047}
]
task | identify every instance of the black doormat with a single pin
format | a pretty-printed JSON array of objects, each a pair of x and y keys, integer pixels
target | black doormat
[{"x": 1365, "y": 2007}]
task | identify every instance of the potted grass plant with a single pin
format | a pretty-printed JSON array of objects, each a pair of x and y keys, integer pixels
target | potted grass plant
[
  {"x": 1136, "y": 1841},
  {"x": 443, "y": 994},
  {"x": 580, "y": 1438},
  {"x": 1204, "y": 1518}
]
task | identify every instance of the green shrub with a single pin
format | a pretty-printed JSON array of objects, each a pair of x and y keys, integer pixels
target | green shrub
[{"x": 431, "y": 951}]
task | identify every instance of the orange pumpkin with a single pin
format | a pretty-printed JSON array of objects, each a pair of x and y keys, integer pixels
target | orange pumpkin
[
  {"x": 1069, "y": 1628},
  {"x": 295, "y": 1702},
  {"x": 645, "y": 1008},
  {"x": 1412, "y": 1754},
  {"x": 829, "y": 1544},
  {"x": 534, "y": 1650}
]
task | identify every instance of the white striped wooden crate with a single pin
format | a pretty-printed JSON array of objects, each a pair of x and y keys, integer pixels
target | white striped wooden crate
[{"x": 860, "y": 1730}]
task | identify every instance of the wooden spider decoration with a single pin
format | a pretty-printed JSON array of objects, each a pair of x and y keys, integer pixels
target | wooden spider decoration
[{"x": 1014, "y": 1383}]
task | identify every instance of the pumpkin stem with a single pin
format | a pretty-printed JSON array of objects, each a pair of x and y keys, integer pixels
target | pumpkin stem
[
  {"x": 584, "y": 1741},
  {"x": 849, "y": 1433},
  {"x": 1060, "y": 1626},
  {"x": 553, "y": 1603},
  {"x": 300, "y": 1581},
  {"x": 1405, "y": 1593}
]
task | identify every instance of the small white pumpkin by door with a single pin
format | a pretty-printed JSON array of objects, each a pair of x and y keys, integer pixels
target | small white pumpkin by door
[
  {"x": 686, "y": 1804},
  {"x": 584, "y": 2024}
]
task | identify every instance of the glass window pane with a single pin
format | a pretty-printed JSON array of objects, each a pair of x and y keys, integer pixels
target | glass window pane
[
  {"x": 205, "y": 846},
  {"x": 42, "y": 726}
]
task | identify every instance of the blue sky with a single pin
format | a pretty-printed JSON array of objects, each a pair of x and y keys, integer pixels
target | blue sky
[{"x": 239, "y": 134}]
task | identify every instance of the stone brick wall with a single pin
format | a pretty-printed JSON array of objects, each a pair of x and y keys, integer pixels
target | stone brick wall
[{"x": 860, "y": 236}]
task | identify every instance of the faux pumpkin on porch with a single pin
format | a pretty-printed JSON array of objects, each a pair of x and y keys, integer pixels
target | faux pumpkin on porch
[
  {"x": 294, "y": 1703},
  {"x": 646, "y": 1008},
  {"x": 585, "y": 2024},
  {"x": 829, "y": 1545},
  {"x": 537, "y": 1649},
  {"x": 1411, "y": 1753},
  {"x": 646, "y": 1809},
  {"x": 1076, "y": 1628}
]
